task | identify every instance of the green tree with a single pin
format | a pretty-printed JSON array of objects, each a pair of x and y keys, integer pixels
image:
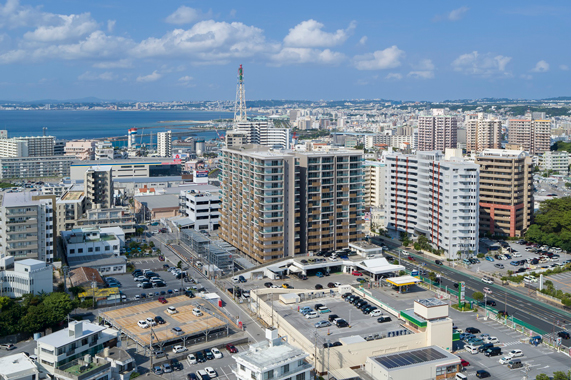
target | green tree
[
  {"x": 542, "y": 376},
  {"x": 560, "y": 375},
  {"x": 4, "y": 302},
  {"x": 152, "y": 244},
  {"x": 179, "y": 264},
  {"x": 57, "y": 307},
  {"x": 568, "y": 185},
  {"x": 36, "y": 319},
  {"x": 75, "y": 290},
  {"x": 478, "y": 296}
]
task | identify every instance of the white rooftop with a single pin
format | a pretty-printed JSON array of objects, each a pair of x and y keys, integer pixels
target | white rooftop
[
  {"x": 262, "y": 355},
  {"x": 17, "y": 366},
  {"x": 61, "y": 338},
  {"x": 378, "y": 266}
]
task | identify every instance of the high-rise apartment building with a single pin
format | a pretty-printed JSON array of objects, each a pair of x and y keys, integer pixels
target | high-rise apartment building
[
  {"x": 164, "y": 144},
  {"x": 533, "y": 135},
  {"x": 39, "y": 146},
  {"x": 283, "y": 203},
  {"x": 27, "y": 226},
  {"x": 506, "y": 192},
  {"x": 236, "y": 138},
  {"x": 482, "y": 133},
  {"x": 437, "y": 132},
  {"x": 98, "y": 185},
  {"x": 374, "y": 184},
  {"x": 262, "y": 132},
  {"x": 436, "y": 195}
]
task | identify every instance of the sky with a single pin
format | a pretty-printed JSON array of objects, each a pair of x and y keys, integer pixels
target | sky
[{"x": 296, "y": 50}]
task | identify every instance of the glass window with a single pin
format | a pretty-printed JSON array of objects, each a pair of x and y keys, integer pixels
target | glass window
[{"x": 301, "y": 376}]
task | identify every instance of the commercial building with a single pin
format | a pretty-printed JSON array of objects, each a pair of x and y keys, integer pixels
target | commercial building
[
  {"x": 27, "y": 226},
  {"x": 436, "y": 195},
  {"x": 482, "y": 133},
  {"x": 262, "y": 132},
  {"x": 236, "y": 138},
  {"x": 156, "y": 207},
  {"x": 28, "y": 277},
  {"x": 77, "y": 340},
  {"x": 18, "y": 367},
  {"x": 98, "y": 184},
  {"x": 556, "y": 161},
  {"x": 282, "y": 203},
  {"x": 374, "y": 184},
  {"x": 506, "y": 192},
  {"x": 35, "y": 167},
  {"x": 201, "y": 206},
  {"x": 80, "y": 149},
  {"x": 374, "y": 140},
  {"x": 272, "y": 359},
  {"x": 93, "y": 241},
  {"x": 533, "y": 135},
  {"x": 141, "y": 167},
  {"x": 104, "y": 150},
  {"x": 437, "y": 132},
  {"x": 70, "y": 207},
  {"x": 164, "y": 144}
]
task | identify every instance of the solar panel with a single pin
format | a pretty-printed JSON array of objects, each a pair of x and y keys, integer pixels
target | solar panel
[{"x": 409, "y": 358}]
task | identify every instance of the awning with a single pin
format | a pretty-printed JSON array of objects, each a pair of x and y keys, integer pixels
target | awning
[{"x": 403, "y": 280}]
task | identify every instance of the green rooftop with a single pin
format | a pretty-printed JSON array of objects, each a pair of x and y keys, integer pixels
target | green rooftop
[{"x": 78, "y": 370}]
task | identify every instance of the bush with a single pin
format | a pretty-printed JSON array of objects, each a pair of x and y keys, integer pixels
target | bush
[
  {"x": 134, "y": 375},
  {"x": 481, "y": 255}
]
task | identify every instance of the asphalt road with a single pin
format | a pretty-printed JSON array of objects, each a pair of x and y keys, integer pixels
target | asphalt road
[{"x": 527, "y": 309}]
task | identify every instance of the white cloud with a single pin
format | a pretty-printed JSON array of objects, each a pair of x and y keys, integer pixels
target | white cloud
[
  {"x": 63, "y": 28},
  {"x": 120, "y": 64},
  {"x": 423, "y": 70},
  {"x": 526, "y": 76},
  {"x": 309, "y": 34},
  {"x": 207, "y": 41},
  {"x": 186, "y": 15},
  {"x": 564, "y": 67},
  {"x": 485, "y": 65},
  {"x": 154, "y": 76},
  {"x": 290, "y": 55},
  {"x": 541, "y": 67},
  {"x": 363, "y": 40},
  {"x": 453, "y": 15},
  {"x": 111, "y": 25},
  {"x": 380, "y": 60},
  {"x": 88, "y": 75},
  {"x": 421, "y": 74},
  {"x": 395, "y": 76},
  {"x": 186, "y": 78},
  {"x": 233, "y": 13}
]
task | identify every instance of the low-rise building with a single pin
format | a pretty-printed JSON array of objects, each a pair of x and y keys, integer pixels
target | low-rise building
[
  {"x": 80, "y": 149},
  {"x": 155, "y": 207},
  {"x": 18, "y": 367},
  {"x": 202, "y": 207},
  {"x": 272, "y": 359},
  {"x": 93, "y": 241},
  {"x": 80, "y": 338},
  {"x": 556, "y": 161},
  {"x": 109, "y": 217},
  {"x": 28, "y": 277},
  {"x": 122, "y": 364}
]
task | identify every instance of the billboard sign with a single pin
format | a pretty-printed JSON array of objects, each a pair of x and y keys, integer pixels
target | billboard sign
[
  {"x": 461, "y": 292},
  {"x": 201, "y": 174}
]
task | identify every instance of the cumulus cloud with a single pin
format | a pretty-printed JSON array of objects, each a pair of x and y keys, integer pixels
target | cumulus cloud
[
  {"x": 380, "y": 60},
  {"x": 186, "y": 15},
  {"x": 363, "y": 40},
  {"x": 541, "y": 67},
  {"x": 306, "y": 55},
  {"x": 395, "y": 76},
  {"x": 526, "y": 76},
  {"x": 423, "y": 70},
  {"x": 111, "y": 25},
  {"x": 120, "y": 64},
  {"x": 89, "y": 76},
  {"x": 64, "y": 27},
  {"x": 421, "y": 74},
  {"x": 186, "y": 78},
  {"x": 564, "y": 67},
  {"x": 154, "y": 76},
  {"x": 485, "y": 65},
  {"x": 454, "y": 15},
  {"x": 309, "y": 34}
]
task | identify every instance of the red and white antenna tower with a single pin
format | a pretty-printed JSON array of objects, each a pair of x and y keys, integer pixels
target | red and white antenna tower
[{"x": 240, "y": 105}]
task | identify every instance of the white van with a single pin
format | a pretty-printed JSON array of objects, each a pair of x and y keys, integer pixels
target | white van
[
  {"x": 235, "y": 280},
  {"x": 202, "y": 375},
  {"x": 471, "y": 349},
  {"x": 461, "y": 376}
]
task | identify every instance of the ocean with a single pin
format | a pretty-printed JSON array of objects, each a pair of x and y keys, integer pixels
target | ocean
[{"x": 80, "y": 124}]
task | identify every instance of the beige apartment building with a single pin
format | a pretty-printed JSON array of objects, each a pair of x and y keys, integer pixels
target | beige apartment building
[
  {"x": 506, "y": 192},
  {"x": 534, "y": 136},
  {"x": 437, "y": 132},
  {"x": 482, "y": 133},
  {"x": 98, "y": 185},
  {"x": 283, "y": 203},
  {"x": 80, "y": 149}
]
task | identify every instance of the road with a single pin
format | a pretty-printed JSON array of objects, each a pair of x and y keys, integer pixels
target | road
[{"x": 527, "y": 309}]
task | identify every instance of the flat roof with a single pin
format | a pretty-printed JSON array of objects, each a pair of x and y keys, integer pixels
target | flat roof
[
  {"x": 72, "y": 196},
  {"x": 61, "y": 338},
  {"x": 263, "y": 355},
  {"x": 18, "y": 365},
  {"x": 18, "y": 199},
  {"x": 364, "y": 244},
  {"x": 96, "y": 260},
  {"x": 430, "y": 302},
  {"x": 403, "y": 280},
  {"x": 415, "y": 357},
  {"x": 379, "y": 266},
  {"x": 159, "y": 201},
  {"x": 147, "y": 179}
]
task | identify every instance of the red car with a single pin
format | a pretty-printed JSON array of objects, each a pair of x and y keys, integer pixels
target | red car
[
  {"x": 161, "y": 258},
  {"x": 231, "y": 349},
  {"x": 355, "y": 273},
  {"x": 464, "y": 363},
  {"x": 163, "y": 300},
  {"x": 410, "y": 258}
]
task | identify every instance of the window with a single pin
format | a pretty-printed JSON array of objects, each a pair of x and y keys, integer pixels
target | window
[
  {"x": 242, "y": 367},
  {"x": 301, "y": 376},
  {"x": 253, "y": 375},
  {"x": 97, "y": 249},
  {"x": 269, "y": 375},
  {"x": 72, "y": 251},
  {"x": 107, "y": 248},
  {"x": 115, "y": 247},
  {"x": 285, "y": 369},
  {"x": 80, "y": 250},
  {"x": 90, "y": 249},
  {"x": 440, "y": 371}
]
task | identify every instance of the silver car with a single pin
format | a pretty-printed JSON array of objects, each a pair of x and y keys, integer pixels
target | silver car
[{"x": 322, "y": 324}]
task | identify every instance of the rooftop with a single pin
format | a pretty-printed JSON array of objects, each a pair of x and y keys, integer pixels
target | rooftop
[
  {"x": 72, "y": 196},
  {"x": 62, "y": 337},
  {"x": 431, "y": 302},
  {"x": 416, "y": 357},
  {"x": 364, "y": 244},
  {"x": 19, "y": 199},
  {"x": 159, "y": 201},
  {"x": 263, "y": 355},
  {"x": 96, "y": 261},
  {"x": 17, "y": 366}
]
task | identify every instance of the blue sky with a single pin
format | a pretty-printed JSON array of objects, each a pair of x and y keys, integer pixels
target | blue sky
[{"x": 190, "y": 50}]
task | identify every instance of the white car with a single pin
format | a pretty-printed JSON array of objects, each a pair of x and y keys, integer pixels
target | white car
[
  {"x": 137, "y": 297},
  {"x": 487, "y": 280},
  {"x": 151, "y": 322},
  {"x": 515, "y": 353},
  {"x": 216, "y": 352},
  {"x": 487, "y": 290},
  {"x": 337, "y": 284},
  {"x": 516, "y": 254},
  {"x": 376, "y": 313},
  {"x": 172, "y": 310},
  {"x": 142, "y": 323},
  {"x": 211, "y": 372},
  {"x": 179, "y": 349},
  {"x": 197, "y": 312},
  {"x": 311, "y": 314},
  {"x": 275, "y": 287},
  {"x": 492, "y": 339},
  {"x": 505, "y": 360},
  {"x": 191, "y": 359}
]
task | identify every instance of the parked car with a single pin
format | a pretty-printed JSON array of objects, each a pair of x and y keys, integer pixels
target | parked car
[
  {"x": 191, "y": 359},
  {"x": 7, "y": 346},
  {"x": 163, "y": 300},
  {"x": 489, "y": 258},
  {"x": 332, "y": 317},
  {"x": 356, "y": 273},
  {"x": 211, "y": 372},
  {"x": 376, "y": 313},
  {"x": 481, "y": 374},
  {"x": 167, "y": 368},
  {"x": 216, "y": 352},
  {"x": 200, "y": 357},
  {"x": 197, "y": 312},
  {"x": 322, "y": 324},
  {"x": 499, "y": 266},
  {"x": 179, "y": 349},
  {"x": 158, "y": 370},
  {"x": 143, "y": 324},
  {"x": 384, "y": 319},
  {"x": 231, "y": 349},
  {"x": 563, "y": 334},
  {"x": 515, "y": 353},
  {"x": 208, "y": 354},
  {"x": 311, "y": 315},
  {"x": 172, "y": 310},
  {"x": 472, "y": 330}
]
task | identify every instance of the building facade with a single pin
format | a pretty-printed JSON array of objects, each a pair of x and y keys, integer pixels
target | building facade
[
  {"x": 164, "y": 144},
  {"x": 437, "y": 132},
  {"x": 262, "y": 132},
  {"x": 93, "y": 241},
  {"x": 141, "y": 167},
  {"x": 506, "y": 192},
  {"x": 104, "y": 150},
  {"x": 202, "y": 208},
  {"x": 13, "y": 148},
  {"x": 280, "y": 204},
  {"x": 374, "y": 184},
  {"x": 35, "y": 167},
  {"x": 534, "y": 136},
  {"x": 98, "y": 184},
  {"x": 482, "y": 133},
  {"x": 80, "y": 149},
  {"x": 28, "y": 277},
  {"x": 556, "y": 161},
  {"x": 435, "y": 195}
]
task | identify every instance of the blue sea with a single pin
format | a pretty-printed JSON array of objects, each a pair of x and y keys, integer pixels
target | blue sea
[{"x": 81, "y": 124}]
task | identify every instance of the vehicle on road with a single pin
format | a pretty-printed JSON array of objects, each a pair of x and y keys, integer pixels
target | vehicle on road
[
  {"x": 7, "y": 346},
  {"x": 563, "y": 334},
  {"x": 384, "y": 319},
  {"x": 179, "y": 349},
  {"x": 472, "y": 330},
  {"x": 499, "y": 266},
  {"x": 487, "y": 280},
  {"x": 376, "y": 313},
  {"x": 492, "y": 339},
  {"x": 438, "y": 262},
  {"x": 464, "y": 362},
  {"x": 481, "y": 374},
  {"x": 487, "y": 290}
]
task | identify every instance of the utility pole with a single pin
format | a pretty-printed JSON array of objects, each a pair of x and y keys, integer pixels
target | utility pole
[{"x": 151, "y": 346}]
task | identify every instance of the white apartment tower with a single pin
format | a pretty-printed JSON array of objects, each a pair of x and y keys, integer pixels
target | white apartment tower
[
  {"x": 435, "y": 195},
  {"x": 262, "y": 132},
  {"x": 98, "y": 183},
  {"x": 482, "y": 133},
  {"x": 164, "y": 144}
]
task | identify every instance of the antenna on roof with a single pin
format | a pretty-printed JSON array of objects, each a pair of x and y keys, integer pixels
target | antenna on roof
[{"x": 45, "y": 129}]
